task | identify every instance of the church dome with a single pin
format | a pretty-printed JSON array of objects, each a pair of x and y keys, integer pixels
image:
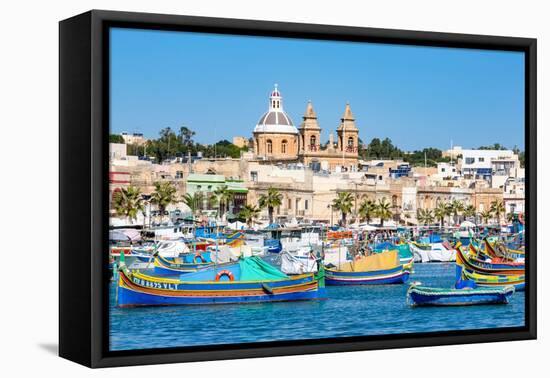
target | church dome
[{"x": 275, "y": 120}]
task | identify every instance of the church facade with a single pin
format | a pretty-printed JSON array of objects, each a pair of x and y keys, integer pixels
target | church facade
[{"x": 277, "y": 140}]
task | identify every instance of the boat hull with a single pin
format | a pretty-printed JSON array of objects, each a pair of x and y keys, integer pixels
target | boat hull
[
  {"x": 418, "y": 296},
  {"x": 380, "y": 277},
  {"x": 141, "y": 290}
]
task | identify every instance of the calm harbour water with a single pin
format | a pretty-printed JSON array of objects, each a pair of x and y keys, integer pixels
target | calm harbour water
[{"x": 348, "y": 311}]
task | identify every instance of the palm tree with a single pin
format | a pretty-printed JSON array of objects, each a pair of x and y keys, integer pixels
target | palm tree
[
  {"x": 440, "y": 212},
  {"x": 249, "y": 213},
  {"x": 193, "y": 201},
  {"x": 456, "y": 207},
  {"x": 367, "y": 210},
  {"x": 497, "y": 208},
  {"x": 343, "y": 203},
  {"x": 469, "y": 211},
  {"x": 486, "y": 215},
  {"x": 383, "y": 211},
  {"x": 425, "y": 216},
  {"x": 224, "y": 196},
  {"x": 270, "y": 200},
  {"x": 163, "y": 196},
  {"x": 128, "y": 202}
]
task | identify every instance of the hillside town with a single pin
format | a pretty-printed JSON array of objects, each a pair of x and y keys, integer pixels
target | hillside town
[{"x": 312, "y": 180}]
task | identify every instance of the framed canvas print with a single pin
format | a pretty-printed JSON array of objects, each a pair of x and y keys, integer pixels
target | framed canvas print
[{"x": 235, "y": 188}]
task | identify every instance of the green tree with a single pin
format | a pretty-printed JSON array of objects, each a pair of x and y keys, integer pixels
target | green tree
[
  {"x": 271, "y": 200},
  {"x": 193, "y": 202},
  {"x": 469, "y": 211},
  {"x": 186, "y": 138},
  {"x": 163, "y": 196},
  {"x": 343, "y": 203},
  {"x": 116, "y": 138},
  {"x": 497, "y": 209},
  {"x": 383, "y": 211},
  {"x": 456, "y": 207},
  {"x": 440, "y": 212},
  {"x": 128, "y": 202},
  {"x": 224, "y": 196},
  {"x": 249, "y": 213},
  {"x": 495, "y": 146},
  {"x": 425, "y": 216},
  {"x": 367, "y": 210},
  {"x": 486, "y": 215}
]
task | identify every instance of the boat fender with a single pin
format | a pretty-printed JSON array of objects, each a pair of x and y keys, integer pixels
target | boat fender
[
  {"x": 226, "y": 273},
  {"x": 199, "y": 259}
]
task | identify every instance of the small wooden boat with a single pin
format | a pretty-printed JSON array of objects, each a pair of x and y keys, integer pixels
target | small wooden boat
[
  {"x": 483, "y": 267},
  {"x": 250, "y": 280},
  {"x": 494, "y": 280},
  {"x": 377, "y": 269},
  {"x": 429, "y": 296},
  {"x": 170, "y": 267}
]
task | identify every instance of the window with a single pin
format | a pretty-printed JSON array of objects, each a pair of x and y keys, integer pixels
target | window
[
  {"x": 350, "y": 142},
  {"x": 305, "y": 204},
  {"x": 289, "y": 204},
  {"x": 442, "y": 169},
  {"x": 481, "y": 159},
  {"x": 469, "y": 160},
  {"x": 283, "y": 146},
  {"x": 312, "y": 142},
  {"x": 254, "y": 176},
  {"x": 269, "y": 146}
]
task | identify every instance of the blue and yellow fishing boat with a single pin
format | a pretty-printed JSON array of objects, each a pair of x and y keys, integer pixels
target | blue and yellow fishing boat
[
  {"x": 377, "y": 269},
  {"x": 428, "y": 296},
  {"x": 494, "y": 280},
  {"x": 250, "y": 280},
  {"x": 163, "y": 266},
  {"x": 473, "y": 263}
]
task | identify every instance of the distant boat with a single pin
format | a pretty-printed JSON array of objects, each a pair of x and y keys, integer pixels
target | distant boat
[
  {"x": 173, "y": 267},
  {"x": 432, "y": 252},
  {"x": 428, "y": 296},
  {"x": 250, "y": 280},
  {"x": 378, "y": 269}
]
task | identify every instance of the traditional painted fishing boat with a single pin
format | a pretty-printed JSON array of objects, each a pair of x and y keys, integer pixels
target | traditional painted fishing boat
[
  {"x": 163, "y": 266},
  {"x": 494, "y": 280},
  {"x": 486, "y": 267},
  {"x": 377, "y": 269},
  {"x": 405, "y": 254},
  {"x": 250, "y": 280},
  {"x": 500, "y": 251},
  {"x": 429, "y": 296},
  {"x": 434, "y": 252}
]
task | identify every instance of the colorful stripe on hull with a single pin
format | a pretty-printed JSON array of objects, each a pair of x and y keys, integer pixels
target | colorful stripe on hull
[
  {"x": 141, "y": 290},
  {"x": 396, "y": 275}
]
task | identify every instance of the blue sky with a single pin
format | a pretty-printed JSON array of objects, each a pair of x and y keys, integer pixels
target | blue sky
[{"x": 219, "y": 86}]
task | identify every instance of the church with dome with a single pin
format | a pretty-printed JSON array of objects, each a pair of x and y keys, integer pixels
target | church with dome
[{"x": 277, "y": 140}]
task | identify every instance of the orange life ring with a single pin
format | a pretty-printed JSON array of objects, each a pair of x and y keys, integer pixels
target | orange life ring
[
  {"x": 521, "y": 218},
  {"x": 225, "y": 273},
  {"x": 199, "y": 257}
]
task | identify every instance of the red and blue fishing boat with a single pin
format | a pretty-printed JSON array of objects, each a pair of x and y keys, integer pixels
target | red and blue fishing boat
[
  {"x": 377, "y": 269},
  {"x": 250, "y": 280}
]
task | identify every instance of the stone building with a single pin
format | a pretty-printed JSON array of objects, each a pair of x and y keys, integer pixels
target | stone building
[
  {"x": 275, "y": 136},
  {"x": 276, "y": 139}
]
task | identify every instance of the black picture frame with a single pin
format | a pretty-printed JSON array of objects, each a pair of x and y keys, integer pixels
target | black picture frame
[{"x": 83, "y": 167}]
